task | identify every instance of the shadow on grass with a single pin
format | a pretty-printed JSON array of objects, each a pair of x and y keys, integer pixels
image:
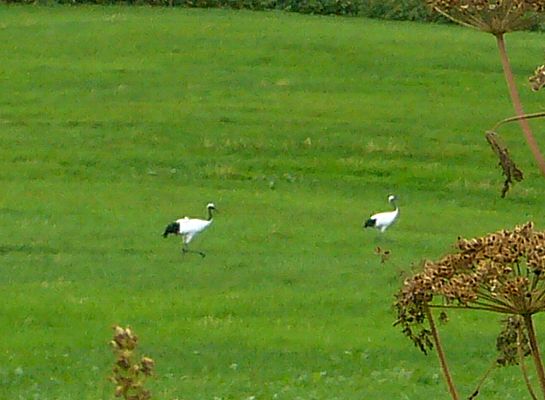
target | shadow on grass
[{"x": 26, "y": 248}]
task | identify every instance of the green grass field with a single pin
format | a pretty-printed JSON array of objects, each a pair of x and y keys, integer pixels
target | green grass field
[{"x": 114, "y": 121}]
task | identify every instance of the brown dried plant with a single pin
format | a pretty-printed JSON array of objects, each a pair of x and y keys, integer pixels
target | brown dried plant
[
  {"x": 383, "y": 254},
  {"x": 512, "y": 342},
  {"x": 537, "y": 80},
  {"x": 502, "y": 272},
  {"x": 513, "y": 345},
  {"x": 129, "y": 375},
  {"x": 493, "y": 16},
  {"x": 499, "y": 17},
  {"x": 508, "y": 166}
]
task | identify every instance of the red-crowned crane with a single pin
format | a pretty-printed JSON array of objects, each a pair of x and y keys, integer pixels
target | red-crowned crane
[
  {"x": 383, "y": 220},
  {"x": 188, "y": 228}
]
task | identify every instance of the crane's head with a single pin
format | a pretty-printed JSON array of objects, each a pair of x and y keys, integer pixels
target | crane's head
[
  {"x": 391, "y": 198},
  {"x": 211, "y": 206}
]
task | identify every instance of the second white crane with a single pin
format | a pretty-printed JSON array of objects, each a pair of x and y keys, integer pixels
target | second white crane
[{"x": 383, "y": 220}]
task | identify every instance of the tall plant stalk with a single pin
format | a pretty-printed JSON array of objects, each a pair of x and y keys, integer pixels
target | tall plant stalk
[
  {"x": 441, "y": 354},
  {"x": 522, "y": 364},
  {"x": 529, "y": 324},
  {"x": 517, "y": 104},
  {"x": 499, "y": 17}
]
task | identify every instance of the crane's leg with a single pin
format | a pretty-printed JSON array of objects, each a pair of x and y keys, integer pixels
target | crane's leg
[{"x": 186, "y": 250}]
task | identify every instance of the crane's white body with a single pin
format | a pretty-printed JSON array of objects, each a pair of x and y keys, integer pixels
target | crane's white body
[
  {"x": 383, "y": 220},
  {"x": 188, "y": 228}
]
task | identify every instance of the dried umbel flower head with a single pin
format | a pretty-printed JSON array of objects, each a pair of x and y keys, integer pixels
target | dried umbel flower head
[
  {"x": 493, "y": 16},
  {"x": 500, "y": 272},
  {"x": 537, "y": 80},
  {"x": 129, "y": 375}
]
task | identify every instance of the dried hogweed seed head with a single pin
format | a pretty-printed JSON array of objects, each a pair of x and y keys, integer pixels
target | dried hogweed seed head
[
  {"x": 493, "y": 16},
  {"x": 499, "y": 272}
]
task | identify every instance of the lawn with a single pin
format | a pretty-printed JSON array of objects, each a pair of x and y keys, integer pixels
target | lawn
[{"x": 114, "y": 121}]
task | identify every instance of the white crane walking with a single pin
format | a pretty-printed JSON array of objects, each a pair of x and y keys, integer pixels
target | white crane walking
[
  {"x": 383, "y": 220},
  {"x": 188, "y": 228}
]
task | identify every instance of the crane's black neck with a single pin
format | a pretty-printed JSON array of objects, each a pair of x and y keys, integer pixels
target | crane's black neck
[
  {"x": 393, "y": 203},
  {"x": 210, "y": 216}
]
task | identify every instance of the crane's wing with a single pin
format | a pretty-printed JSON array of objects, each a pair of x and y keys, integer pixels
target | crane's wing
[
  {"x": 192, "y": 225},
  {"x": 385, "y": 218}
]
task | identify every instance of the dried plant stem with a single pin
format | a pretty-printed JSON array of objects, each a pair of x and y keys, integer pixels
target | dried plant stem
[
  {"x": 534, "y": 346},
  {"x": 523, "y": 365},
  {"x": 518, "y": 118},
  {"x": 480, "y": 384},
  {"x": 517, "y": 104},
  {"x": 456, "y": 307},
  {"x": 441, "y": 355}
]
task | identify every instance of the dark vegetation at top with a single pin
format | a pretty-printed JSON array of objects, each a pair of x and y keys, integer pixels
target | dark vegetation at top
[
  {"x": 412, "y": 10},
  {"x": 397, "y": 10}
]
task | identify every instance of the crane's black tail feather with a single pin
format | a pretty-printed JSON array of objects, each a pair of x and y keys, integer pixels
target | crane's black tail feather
[
  {"x": 172, "y": 228},
  {"x": 370, "y": 223}
]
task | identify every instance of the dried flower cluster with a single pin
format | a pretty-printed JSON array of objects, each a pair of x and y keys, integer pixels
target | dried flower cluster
[
  {"x": 493, "y": 16},
  {"x": 383, "y": 254},
  {"x": 537, "y": 80},
  {"x": 508, "y": 166},
  {"x": 500, "y": 272},
  {"x": 129, "y": 376},
  {"x": 512, "y": 342}
]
